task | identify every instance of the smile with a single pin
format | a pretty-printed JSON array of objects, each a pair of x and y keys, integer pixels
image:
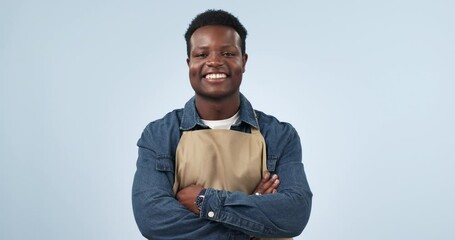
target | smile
[{"x": 215, "y": 76}]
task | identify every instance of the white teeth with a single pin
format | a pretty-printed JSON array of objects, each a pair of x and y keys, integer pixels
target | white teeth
[{"x": 215, "y": 75}]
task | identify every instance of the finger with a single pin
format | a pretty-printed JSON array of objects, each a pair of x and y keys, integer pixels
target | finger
[
  {"x": 265, "y": 177},
  {"x": 260, "y": 187},
  {"x": 271, "y": 184},
  {"x": 274, "y": 186},
  {"x": 267, "y": 185}
]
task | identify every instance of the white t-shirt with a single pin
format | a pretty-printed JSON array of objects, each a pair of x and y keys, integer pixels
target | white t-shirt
[{"x": 222, "y": 124}]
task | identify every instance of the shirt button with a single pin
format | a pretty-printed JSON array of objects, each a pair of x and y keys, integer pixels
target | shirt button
[{"x": 211, "y": 214}]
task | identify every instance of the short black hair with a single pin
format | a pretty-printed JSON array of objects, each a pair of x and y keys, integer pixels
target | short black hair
[{"x": 215, "y": 17}]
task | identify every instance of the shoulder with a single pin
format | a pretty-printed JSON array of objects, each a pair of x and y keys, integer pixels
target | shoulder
[
  {"x": 162, "y": 135},
  {"x": 169, "y": 121},
  {"x": 270, "y": 124},
  {"x": 278, "y": 135}
]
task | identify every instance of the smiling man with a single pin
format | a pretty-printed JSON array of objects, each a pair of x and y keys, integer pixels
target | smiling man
[{"x": 218, "y": 169}]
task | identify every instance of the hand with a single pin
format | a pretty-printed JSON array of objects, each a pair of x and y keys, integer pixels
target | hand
[
  {"x": 187, "y": 197},
  {"x": 268, "y": 184}
]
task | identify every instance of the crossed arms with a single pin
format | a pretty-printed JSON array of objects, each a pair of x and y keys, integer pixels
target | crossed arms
[{"x": 161, "y": 215}]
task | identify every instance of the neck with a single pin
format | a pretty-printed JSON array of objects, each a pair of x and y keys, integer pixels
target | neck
[{"x": 217, "y": 109}]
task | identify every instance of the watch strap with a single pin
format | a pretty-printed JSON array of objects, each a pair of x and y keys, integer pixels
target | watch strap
[{"x": 200, "y": 199}]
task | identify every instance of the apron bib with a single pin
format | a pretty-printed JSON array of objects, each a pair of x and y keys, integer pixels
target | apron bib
[{"x": 220, "y": 159}]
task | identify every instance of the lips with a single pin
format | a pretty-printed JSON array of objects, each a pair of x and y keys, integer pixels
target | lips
[{"x": 215, "y": 76}]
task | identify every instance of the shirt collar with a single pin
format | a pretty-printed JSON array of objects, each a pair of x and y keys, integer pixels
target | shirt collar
[{"x": 190, "y": 117}]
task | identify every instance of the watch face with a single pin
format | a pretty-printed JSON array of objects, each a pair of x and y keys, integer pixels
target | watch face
[{"x": 199, "y": 201}]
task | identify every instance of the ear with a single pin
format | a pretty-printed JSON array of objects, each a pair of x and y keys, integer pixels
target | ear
[{"x": 244, "y": 60}]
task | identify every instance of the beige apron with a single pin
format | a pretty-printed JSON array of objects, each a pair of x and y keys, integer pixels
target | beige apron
[{"x": 221, "y": 159}]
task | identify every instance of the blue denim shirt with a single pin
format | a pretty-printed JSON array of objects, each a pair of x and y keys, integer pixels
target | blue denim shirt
[{"x": 224, "y": 214}]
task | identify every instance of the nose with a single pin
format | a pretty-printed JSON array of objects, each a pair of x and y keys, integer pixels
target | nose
[{"x": 214, "y": 60}]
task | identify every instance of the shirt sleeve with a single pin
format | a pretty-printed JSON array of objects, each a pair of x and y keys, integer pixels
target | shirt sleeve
[
  {"x": 283, "y": 214},
  {"x": 158, "y": 214}
]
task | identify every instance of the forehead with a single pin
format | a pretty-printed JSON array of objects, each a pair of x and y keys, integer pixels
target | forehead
[{"x": 215, "y": 35}]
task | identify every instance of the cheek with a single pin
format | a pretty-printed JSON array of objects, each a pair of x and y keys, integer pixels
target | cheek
[
  {"x": 239, "y": 67},
  {"x": 193, "y": 70}
]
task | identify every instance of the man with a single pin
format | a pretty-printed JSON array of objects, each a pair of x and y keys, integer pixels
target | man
[{"x": 210, "y": 170}]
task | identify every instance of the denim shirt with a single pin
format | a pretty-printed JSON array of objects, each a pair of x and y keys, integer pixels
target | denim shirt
[{"x": 224, "y": 214}]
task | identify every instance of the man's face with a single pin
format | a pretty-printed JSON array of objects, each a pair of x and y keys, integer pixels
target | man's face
[{"x": 216, "y": 63}]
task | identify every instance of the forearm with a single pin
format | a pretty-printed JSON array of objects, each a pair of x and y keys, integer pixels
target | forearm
[
  {"x": 162, "y": 217},
  {"x": 283, "y": 214},
  {"x": 158, "y": 214}
]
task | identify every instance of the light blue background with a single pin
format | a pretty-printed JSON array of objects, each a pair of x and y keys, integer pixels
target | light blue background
[{"x": 369, "y": 85}]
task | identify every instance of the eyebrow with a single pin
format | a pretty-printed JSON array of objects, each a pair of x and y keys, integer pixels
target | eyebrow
[{"x": 222, "y": 47}]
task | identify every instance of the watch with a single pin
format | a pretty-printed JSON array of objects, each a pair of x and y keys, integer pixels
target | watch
[{"x": 200, "y": 199}]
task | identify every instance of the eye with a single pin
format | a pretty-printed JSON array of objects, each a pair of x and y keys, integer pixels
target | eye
[
  {"x": 228, "y": 54},
  {"x": 201, "y": 55}
]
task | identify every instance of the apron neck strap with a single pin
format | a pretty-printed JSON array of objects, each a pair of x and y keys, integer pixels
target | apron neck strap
[{"x": 253, "y": 129}]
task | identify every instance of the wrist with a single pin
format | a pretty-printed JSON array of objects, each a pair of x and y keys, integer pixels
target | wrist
[{"x": 200, "y": 199}]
